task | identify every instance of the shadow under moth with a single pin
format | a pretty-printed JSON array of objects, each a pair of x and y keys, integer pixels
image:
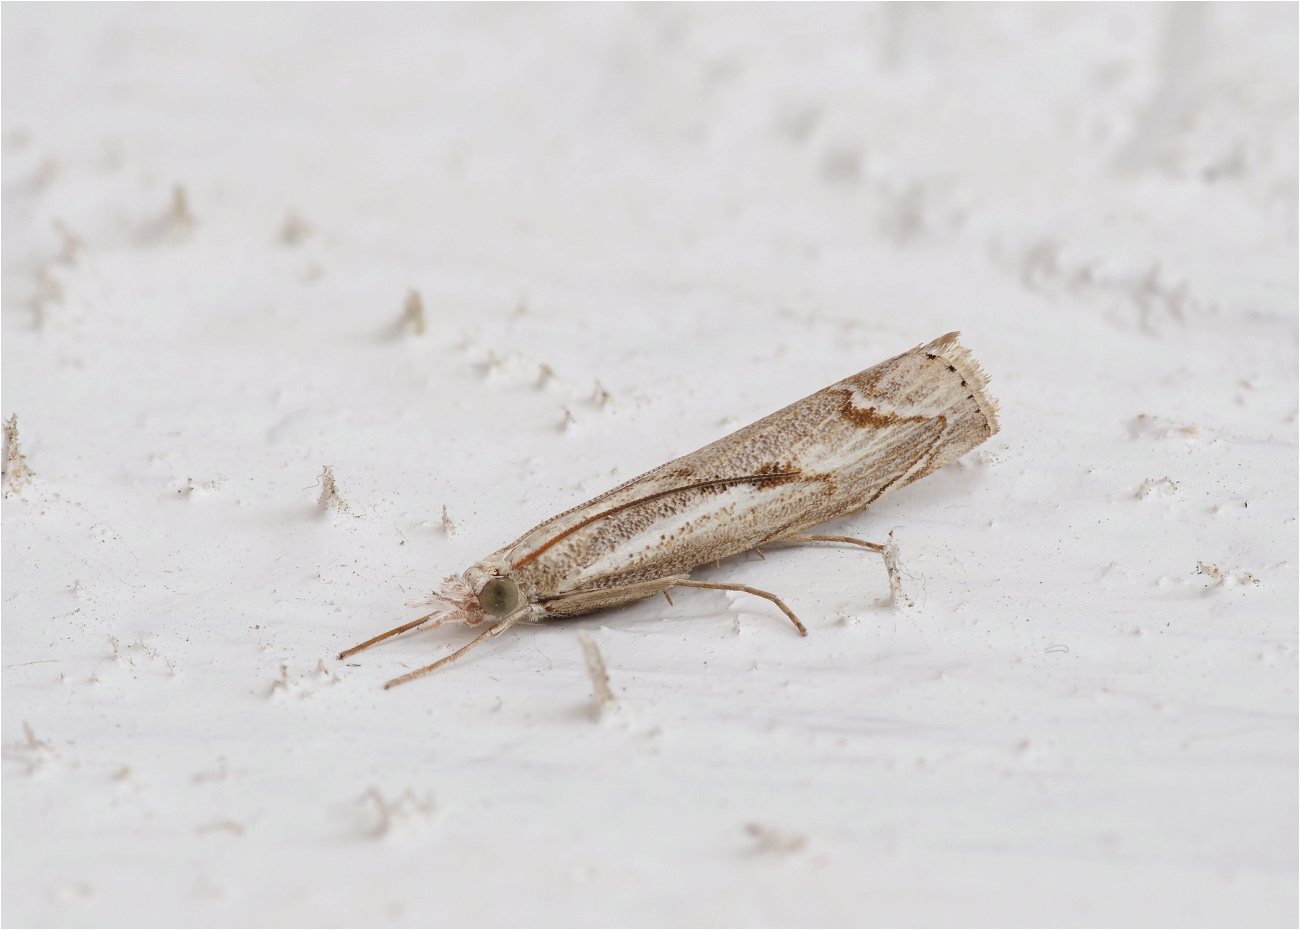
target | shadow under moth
[{"x": 826, "y": 456}]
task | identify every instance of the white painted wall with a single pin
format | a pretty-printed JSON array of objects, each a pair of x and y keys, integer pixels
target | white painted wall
[{"x": 709, "y": 212}]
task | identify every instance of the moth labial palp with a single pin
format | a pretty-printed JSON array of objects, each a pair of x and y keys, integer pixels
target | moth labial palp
[{"x": 829, "y": 455}]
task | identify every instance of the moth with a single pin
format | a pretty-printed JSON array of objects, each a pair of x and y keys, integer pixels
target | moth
[{"x": 826, "y": 456}]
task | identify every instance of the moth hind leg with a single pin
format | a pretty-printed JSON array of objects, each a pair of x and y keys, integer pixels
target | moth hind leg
[
  {"x": 819, "y": 537},
  {"x": 584, "y": 602},
  {"x": 888, "y": 551}
]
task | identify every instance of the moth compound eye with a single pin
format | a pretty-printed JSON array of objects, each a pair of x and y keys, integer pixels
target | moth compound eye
[{"x": 498, "y": 597}]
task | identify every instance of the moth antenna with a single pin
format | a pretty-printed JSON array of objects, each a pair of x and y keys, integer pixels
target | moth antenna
[
  {"x": 496, "y": 630},
  {"x": 383, "y": 636}
]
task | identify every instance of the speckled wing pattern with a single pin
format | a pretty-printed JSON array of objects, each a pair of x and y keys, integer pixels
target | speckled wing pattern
[{"x": 825, "y": 456}]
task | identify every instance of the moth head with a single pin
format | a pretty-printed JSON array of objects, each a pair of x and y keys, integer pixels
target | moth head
[{"x": 496, "y": 591}]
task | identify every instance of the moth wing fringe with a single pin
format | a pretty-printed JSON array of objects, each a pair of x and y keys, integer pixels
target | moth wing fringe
[{"x": 948, "y": 348}]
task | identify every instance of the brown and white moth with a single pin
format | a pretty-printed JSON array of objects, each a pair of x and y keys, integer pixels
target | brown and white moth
[{"x": 826, "y": 456}]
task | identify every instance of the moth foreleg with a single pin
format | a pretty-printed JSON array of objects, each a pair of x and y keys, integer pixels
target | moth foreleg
[{"x": 720, "y": 586}]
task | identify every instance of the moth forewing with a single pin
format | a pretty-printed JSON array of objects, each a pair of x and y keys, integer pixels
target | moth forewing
[{"x": 826, "y": 456}]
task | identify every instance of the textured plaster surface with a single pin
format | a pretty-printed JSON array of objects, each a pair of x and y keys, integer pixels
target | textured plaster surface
[{"x": 631, "y": 230}]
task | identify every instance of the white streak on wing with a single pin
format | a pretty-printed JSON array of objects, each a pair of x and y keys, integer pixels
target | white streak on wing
[{"x": 740, "y": 501}]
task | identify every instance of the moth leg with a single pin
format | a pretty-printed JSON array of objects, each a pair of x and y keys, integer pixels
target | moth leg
[
  {"x": 506, "y": 623},
  {"x": 817, "y": 537},
  {"x": 888, "y": 550},
  {"x": 581, "y": 602},
  {"x": 383, "y": 636},
  {"x": 688, "y": 583}
]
